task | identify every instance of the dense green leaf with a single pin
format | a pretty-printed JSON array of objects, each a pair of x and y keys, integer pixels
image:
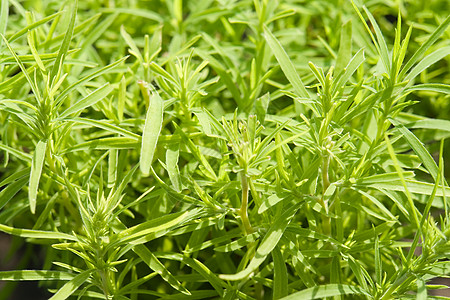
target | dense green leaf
[{"x": 269, "y": 178}]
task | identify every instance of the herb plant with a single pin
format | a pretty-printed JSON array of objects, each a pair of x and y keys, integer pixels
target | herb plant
[{"x": 226, "y": 149}]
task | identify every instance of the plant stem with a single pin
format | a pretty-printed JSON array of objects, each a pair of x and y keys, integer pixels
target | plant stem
[
  {"x": 244, "y": 205},
  {"x": 326, "y": 221}
]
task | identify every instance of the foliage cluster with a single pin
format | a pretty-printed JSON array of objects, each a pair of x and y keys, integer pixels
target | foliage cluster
[{"x": 210, "y": 149}]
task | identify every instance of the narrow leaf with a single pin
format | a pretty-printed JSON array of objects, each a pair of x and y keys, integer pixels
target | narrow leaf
[
  {"x": 421, "y": 290},
  {"x": 130, "y": 42},
  {"x": 122, "y": 98},
  {"x": 196, "y": 265},
  {"x": 418, "y": 54},
  {"x": 165, "y": 222},
  {"x": 345, "y": 47},
  {"x": 352, "y": 66},
  {"x": 159, "y": 268},
  {"x": 65, "y": 44},
  {"x": 12, "y": 189},
  {"x": 35, "y": 175},
  {"x": 31, "y": 26},
  {"x": 172, "y": 154},
  {"x": 435, "y": 124},
  {"x": 418, "y": 148},
  {"x": 88, "y": 77},
  {"x": 327, "y": 290},
  {"x": 24, "y": 70},
  {"x": 381, "y": 45},
  {"x": 19, "y": 154},
  {"x": 280, "y": 274},
  {"x": 432, "y": 87},
  {"x": 70, "y": 287},
  {"x": 269, "y": 242},
  {"x": 428, "y": 61},
  {"x": 152, "y": 129},
  {"x": 4, "y": 11},
  {"x": 285, "y": 63},
  {"x": 261, "y": 105},
  {"x": 89, "y": 100},
  {"x": 36, "y": 234},
  {"x": 238, "y": 244},
  {"x": 106, "y": 144},
  {"x": 22, "y": 275},
  {"x": 106, "y": 125},
  {"x": 144, "y": 13}
]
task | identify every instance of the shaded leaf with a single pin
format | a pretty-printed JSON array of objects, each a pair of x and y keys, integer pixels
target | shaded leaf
[{"x": 40, "y": 275}]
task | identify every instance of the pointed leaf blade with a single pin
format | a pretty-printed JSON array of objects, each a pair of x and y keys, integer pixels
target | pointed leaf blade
[
  {"x": 35, "y": 174},
  {"x": 154, "y": 264},
  {"x": 25, "y": 275},
  {"x": 436, "y": 34},
  {"x": 70, "y": 287},
  {"x": 152, "y": 129},
  {"x": 345, "y": 47},
  {"x": 269, "y": 242},
  {"x": 280, "y": 276},
  {"x": 428, "y": 61},
  {"x": 89, "y": 100},
  {"x": 65, "y": 44},
  {"x": 327, "y": 290},
  {"x": 285, "y": 63},
  {"x": 172, "y": 155},
  {"x": 418, "y": 147},
  {"x": 36, "y": 234}
]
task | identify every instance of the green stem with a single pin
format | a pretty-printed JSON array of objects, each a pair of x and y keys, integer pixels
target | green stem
[
  {"x": 248, "y": 229},
  {"x": 244, "y": 205},
  {"x": 326, "y": 221},
  {"x": 393, "y": 288}
]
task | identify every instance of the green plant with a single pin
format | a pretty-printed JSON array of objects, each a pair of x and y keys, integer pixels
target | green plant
[{"x": 225, "y": 149}]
